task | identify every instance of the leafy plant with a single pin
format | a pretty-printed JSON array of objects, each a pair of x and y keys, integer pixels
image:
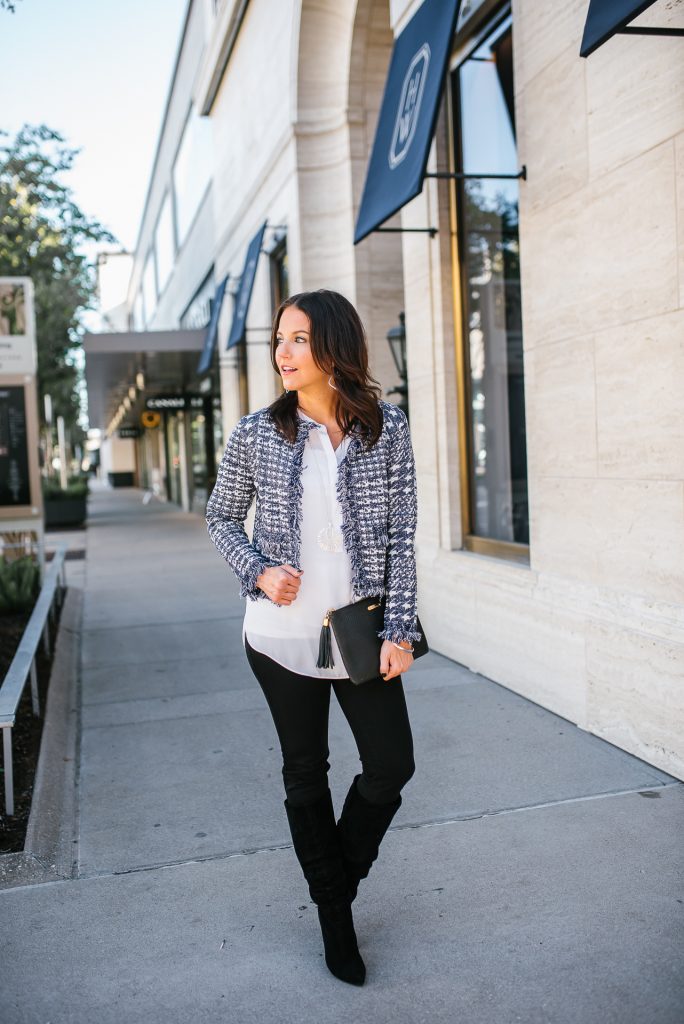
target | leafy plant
[
  {"x": 19, "y": 584},
  {"x": 44, "y": 235},
  {"x": 77, "y": 487}
]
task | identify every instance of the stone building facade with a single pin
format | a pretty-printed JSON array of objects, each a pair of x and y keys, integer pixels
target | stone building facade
[{"x": 544, "y": 319}]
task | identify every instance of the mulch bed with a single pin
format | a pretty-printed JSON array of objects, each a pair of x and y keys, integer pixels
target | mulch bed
[{"x": 26, "y": 731}]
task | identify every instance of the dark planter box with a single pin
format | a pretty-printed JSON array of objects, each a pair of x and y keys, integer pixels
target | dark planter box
[
  {"x": 65, "y": 511},
  {"x": 121, "y": 479}
]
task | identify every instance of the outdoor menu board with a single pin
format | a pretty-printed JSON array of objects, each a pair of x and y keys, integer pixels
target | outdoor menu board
[{"x": 14, "y": 461}]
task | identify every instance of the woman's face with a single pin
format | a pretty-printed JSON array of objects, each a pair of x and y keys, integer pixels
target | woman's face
[{"x": 293, "y": 350}]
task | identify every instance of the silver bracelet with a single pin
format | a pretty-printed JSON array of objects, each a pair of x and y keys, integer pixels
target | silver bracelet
[{"x": 409, "y": 649}]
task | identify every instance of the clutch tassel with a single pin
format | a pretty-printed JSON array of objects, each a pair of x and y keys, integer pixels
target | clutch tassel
[{"x": 325, "y": 655}]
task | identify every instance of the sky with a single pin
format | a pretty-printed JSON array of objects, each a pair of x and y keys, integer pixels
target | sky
[{"x": 98, "y": 72}]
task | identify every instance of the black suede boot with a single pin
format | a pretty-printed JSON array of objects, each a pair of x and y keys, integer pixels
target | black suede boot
[
  {"x": 316, "y": 844},
  {"x": 361, "y": 829}
]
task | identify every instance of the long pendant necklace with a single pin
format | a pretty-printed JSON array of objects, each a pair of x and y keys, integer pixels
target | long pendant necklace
[{"x": 329, "y": 537}]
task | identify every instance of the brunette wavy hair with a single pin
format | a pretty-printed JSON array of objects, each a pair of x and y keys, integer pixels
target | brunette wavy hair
[{"x": 339, "y": 347}]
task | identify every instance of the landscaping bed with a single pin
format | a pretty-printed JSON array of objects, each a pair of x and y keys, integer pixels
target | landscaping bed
[{"x": 27, "y": 730}]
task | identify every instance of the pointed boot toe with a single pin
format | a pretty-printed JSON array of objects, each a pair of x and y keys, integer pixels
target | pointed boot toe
[{"x": 339, "y": 940}]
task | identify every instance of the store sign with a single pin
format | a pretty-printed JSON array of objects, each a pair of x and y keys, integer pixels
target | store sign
[
  {"x": 17, "y": 326},
  {"x": 244, "y": 295},
  {"x": 212, "y": 330},
  {"x": 605, "y": 18},
  {"x": 128, "y": 432},
  {"x": 167, "y": 402},
  {"x": 15, "y": 487},
  {"x": 410, "y": 104},
  {"x": 150, "y": 419}
]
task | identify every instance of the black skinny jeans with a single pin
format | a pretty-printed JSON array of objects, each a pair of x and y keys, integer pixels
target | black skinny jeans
[{"x": 376, "y": 712}]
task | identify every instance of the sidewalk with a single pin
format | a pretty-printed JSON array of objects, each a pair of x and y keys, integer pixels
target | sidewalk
[{"x": 533, "y": 872}]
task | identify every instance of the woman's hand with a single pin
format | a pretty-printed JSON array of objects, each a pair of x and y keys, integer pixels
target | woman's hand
[
  {"x": 393, "y": 661},
  {"x": 281, "y": 583}
]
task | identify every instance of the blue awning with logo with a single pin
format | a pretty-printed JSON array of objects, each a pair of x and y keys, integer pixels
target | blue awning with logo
[
  {"x": 606, "y": 17},
  {"x": 406, "y": 125},
  {"x": 244, "y": 294},
  {"x": 212, "y": 329}
]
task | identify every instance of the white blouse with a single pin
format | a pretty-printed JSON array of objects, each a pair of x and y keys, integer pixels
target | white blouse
[{"x": 290, "y": 633}]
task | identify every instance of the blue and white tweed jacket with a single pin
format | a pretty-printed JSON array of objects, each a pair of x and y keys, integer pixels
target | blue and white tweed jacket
[{"x": 377, "y": 492}]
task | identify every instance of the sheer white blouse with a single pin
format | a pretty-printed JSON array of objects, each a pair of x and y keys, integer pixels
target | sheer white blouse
[{"x": 290, "y": 633}]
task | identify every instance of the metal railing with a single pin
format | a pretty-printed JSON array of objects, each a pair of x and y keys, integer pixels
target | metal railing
[{"x": 24, "y": 662}]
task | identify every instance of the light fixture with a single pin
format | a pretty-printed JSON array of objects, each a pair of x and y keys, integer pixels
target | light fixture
[{"x": 396, "y": 336}]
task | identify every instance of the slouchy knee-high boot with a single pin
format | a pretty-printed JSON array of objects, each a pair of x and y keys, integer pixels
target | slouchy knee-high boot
[
  {"x": 361, "y": 829},
  {"x": 317, "y": 846}
]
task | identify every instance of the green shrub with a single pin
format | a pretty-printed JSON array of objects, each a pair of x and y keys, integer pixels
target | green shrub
[
  {"x": 19, "y": 584},
  {"x": 77, "y": 487}
]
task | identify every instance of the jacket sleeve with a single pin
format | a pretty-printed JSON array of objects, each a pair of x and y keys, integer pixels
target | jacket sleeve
[
  {"x": 227, "y": 509},
  {"x": 400, "y": 581}
]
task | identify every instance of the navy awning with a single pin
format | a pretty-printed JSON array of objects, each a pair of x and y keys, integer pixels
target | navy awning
[
  {"x": 410, "y": 104},
  {"x": 244, "y": 294},
  {"x": 605, "y": 18},
  {"x": 212, "y": 329}
]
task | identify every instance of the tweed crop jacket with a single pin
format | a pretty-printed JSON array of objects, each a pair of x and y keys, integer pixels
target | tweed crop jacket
[{"x": 377, "y": 492}]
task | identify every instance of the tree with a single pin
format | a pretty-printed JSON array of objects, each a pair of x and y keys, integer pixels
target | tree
[{"x": 42, "y": 236}]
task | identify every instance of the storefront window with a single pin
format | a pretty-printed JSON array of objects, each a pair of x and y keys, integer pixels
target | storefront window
[
  {"x": 198, "y": 311},
  {"x": 485, "y": 143},
  {"x": 198, "y": 447},
  {"x": 173, "y": 428},
  {"x": 191, "y": 171},
  {"x": 218, "y": 435}
]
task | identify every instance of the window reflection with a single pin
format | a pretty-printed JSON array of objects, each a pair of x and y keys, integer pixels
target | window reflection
[
  {"x": 164, "y": 247},
  {"x": 488, "y": 222},
  {"x": 191, "y": 171},
  {"x": 149, "y": 288}
]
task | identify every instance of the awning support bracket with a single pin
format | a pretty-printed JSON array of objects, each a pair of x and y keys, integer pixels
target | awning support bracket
[
  {"x": 522, "y": 173},
  {"x": 401, "y": 231},
  {"x": 461, "y": 174},
  {"x": 632, "y": 30}
]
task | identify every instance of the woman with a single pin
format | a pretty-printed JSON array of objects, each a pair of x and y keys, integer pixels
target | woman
[{"x": 333, "y": 471}]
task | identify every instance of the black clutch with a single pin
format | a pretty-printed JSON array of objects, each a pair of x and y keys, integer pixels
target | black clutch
[{"x": 356, "y": 628}]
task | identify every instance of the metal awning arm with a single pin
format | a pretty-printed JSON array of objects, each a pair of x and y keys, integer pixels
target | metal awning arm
[
  {"x": 522, "y": 173},
  {"x": 647, "y": 31}
]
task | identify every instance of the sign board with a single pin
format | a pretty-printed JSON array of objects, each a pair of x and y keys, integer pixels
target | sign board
[
  {"x": 17, "y": 326},
  {"x": 15, "y": 486},
  {"x": 212, "y": 330},
  {"x": 244, "y": 295},
  {"x": 125, "y": 432},
  {"x": 605, "y": 18},
  {"x": 167, "y": 402},
  {"x": 21, "y": 500},
  {"x": 410, "y": 104}
]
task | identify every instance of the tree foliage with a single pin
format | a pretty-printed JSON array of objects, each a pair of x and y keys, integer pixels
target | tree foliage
[{"x": 43, "y": 234}]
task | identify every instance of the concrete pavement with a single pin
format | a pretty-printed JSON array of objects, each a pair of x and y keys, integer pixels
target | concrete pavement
[{"x": 533, "y": 873}]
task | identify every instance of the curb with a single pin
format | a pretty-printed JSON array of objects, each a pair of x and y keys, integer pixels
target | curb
[{"x": 51, "y": 844}]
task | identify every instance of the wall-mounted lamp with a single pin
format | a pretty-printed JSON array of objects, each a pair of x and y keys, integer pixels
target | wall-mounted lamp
[{"x": 396, "y": 337}]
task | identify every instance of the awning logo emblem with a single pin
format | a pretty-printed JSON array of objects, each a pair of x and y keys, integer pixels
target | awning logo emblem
[{"x": 409, "y": 106}]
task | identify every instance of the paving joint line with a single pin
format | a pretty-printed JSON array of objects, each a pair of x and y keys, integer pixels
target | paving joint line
[{"x": 273, "y": 847}]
